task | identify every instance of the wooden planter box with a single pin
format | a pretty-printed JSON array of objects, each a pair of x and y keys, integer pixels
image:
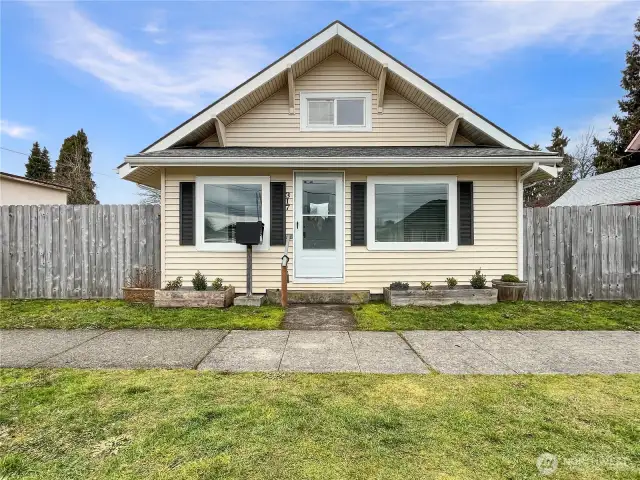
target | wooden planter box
[
  {"x": 194, "y": 298},
  {"x": 510, "y": 291},
  {"x": 440, "y": 295},
  {"x": 138, "y": 295}
]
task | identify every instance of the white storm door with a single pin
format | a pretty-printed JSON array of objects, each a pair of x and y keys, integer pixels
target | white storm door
[{"x": 318, "y": 227}]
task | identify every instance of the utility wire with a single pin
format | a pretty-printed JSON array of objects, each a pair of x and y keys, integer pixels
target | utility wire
[{"x": 26, "y": 155}]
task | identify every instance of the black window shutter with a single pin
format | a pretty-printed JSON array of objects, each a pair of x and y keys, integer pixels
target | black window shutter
[
  {"x": 187, "y": 213},
  {"x": 278, "y": 213},
  {"x": 358, "y": 213},
  {"x": 465, "y": 213}
]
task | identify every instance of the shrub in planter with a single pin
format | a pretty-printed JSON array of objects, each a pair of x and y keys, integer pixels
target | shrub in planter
[
  {"x": 174, "y": 284},
  {"x": 141, "y": 285},
  {"x": 425, "y": 285},
  {"x": 199, "y": 281},
  {"x": 510, "y": 288},
  {"x": 217, "y": 284},
  {"x": 399, "y": 286},
  {"x": 478, "y": 280},
  {"x": 451, "y": 283}
]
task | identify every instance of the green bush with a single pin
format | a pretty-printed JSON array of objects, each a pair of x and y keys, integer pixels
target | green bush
[
  {"x": 451, "y": 282},
  {"x": 507, "y": 277},
  {"x": 399, "y": 286},
  {"x": 174, "y": 284},
  {"x": 199, "y": 281},
  {"x": 217, "y": 284},
  {"x": 478, "y": 280},
  {"x": 425, "y": 285}
]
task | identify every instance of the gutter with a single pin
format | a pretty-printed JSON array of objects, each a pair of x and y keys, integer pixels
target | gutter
[{"x": 520, "y": 199}]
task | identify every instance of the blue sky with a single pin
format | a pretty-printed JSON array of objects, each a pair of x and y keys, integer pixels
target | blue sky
[{"x": 128, "y": 72}]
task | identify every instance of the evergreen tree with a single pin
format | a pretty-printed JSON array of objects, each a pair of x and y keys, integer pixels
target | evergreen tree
[
  {"x": 564, "y": 181},
  {"x": 38, "y": 165},
  {"x": 611, "y": 153},
  {"x": 544, "y": 192},
  {"x": 73, "y": 169}
]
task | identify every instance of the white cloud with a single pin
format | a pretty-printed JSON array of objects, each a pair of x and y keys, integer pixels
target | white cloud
[
  {"x": 453, "y": 37},
  {"x": 204, "y": 69},
  {"x": 15, "y": 130}
]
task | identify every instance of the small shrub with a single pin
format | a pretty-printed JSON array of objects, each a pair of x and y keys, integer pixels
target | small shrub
[
  {"x": 174, "y": 284},
  {"x": 425, "y": 285},
  {"x": 199, "y": 281},
  {"x": 478, "y": 280},
  {"x": 399, "y": 286},
  {"x": 507, "y": 277},
  {"x": 217, "y": 284},
  {"x": 145, "y": 276},
  {"x": 451, "y": 283}
]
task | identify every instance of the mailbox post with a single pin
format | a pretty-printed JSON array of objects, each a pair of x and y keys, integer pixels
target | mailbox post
[{"x": 249, "y": 234}]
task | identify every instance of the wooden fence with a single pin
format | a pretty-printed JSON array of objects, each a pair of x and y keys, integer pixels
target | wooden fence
[
  {"x": 75, "y": 251},
  {"x": 582, "y": 253}
]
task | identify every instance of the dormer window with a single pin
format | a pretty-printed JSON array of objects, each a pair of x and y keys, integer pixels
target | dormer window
[{"x": 331, "y": 111}]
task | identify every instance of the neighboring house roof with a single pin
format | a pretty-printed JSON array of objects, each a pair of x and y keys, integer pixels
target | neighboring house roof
[
  {"x": 364, "y": 151},
  {"x": 634, "y": 146},
  {"x": 40, "y": 183},
  {"x": 339, "y": 38},
  {"x": 613, "y": 188}
]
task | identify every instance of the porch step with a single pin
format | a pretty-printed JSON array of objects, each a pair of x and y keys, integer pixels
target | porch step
[{"x": 334, "y": 297}]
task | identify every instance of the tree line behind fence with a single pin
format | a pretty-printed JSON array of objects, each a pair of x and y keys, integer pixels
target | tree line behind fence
[
  {"x": 89, "y": 251},
  {"x": 75, "y": 251}
]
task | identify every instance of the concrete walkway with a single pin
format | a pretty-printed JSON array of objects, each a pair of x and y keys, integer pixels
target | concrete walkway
[{"x": 485, "y": 352}]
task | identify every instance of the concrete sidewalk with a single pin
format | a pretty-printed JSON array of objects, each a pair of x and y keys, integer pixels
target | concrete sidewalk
[{"x": 485, "y": 352}]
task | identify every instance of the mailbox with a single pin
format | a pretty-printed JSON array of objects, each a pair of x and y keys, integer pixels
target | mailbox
[{"x": 249, "y": 233}]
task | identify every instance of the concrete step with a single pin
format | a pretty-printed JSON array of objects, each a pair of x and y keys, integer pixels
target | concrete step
[{"x": 334, "y": 297}]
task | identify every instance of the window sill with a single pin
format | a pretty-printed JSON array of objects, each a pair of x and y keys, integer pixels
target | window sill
[
  {"x": 413, "y": 247},
  {"x": 336, "y": 129},
  {"x": 229, "y": 247}
]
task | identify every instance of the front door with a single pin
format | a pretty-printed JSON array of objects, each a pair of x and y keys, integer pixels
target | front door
[{"x": 318, "y": 227}]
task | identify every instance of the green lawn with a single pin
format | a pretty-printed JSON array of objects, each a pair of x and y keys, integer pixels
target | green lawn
[
  {"x": 118, "y": 314},
  {"x": 154, "y": 424},
  {"x": 502, "y": 316}
]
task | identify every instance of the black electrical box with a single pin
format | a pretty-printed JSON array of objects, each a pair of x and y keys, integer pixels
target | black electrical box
[{"x": 249, "y": 233}]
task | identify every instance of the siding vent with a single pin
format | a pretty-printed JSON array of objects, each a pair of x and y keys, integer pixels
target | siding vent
[
  {"x": 358, "y": 213},
  {"x": 278, "y": 213},
  {"x": 187, "y": 213},
  {"x": 465, "y": 213}
]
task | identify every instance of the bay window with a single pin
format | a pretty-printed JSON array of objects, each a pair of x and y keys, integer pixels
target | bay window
[{"x": 412, "y": 213}]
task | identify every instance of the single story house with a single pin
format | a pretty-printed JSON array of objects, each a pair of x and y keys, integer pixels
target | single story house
[
  {"x": 374, "y": 172},
  {"x": 17, "y": 190},
  {"x": 620, "y": 187}
]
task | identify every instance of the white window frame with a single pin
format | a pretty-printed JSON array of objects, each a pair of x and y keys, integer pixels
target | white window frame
[
  {"x": 265, "y": 182},
  {"x": 452, "y": 218},
  {"x": 304, "y": 114}
]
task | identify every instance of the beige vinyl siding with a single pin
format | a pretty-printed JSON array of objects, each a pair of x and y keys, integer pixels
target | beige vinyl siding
[
  {"x": 270, "y": 124},
  {"x": 495, "y": 249},
  {"x": 461, "y": 141}
]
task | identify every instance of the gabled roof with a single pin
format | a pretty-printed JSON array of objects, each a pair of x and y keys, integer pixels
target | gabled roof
[
  {"x": 634, "y": 146},
  {"x": 40, "y": 183},
  {"x": 337, "y": 37},
  {"x": 613, "y": 188}
]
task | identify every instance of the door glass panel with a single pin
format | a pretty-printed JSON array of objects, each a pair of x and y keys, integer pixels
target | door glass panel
[
  {"x": 318, "y": 232},
  {"x": 319, "y": 197}
]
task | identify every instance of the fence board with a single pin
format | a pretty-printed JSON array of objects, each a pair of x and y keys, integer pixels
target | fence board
[
  {"x": 595, "y": 253},
  {"x": 60, "y": 251}
]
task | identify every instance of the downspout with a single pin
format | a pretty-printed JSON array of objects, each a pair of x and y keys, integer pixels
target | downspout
[{"x": 521, "y": 178}]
